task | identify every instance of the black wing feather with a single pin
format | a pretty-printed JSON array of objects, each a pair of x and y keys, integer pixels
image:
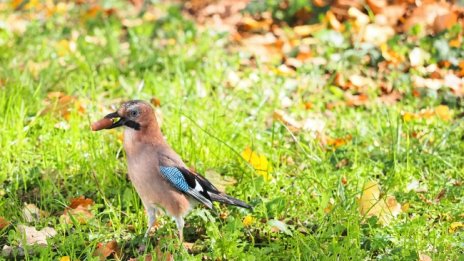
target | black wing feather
[{"x": 209, "y": 191}]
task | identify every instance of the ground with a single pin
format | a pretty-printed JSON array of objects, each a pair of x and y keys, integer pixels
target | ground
[{"x": 309, "y": 146}]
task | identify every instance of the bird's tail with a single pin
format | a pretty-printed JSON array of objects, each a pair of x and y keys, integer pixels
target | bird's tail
[{"x": 223, "y": 198}]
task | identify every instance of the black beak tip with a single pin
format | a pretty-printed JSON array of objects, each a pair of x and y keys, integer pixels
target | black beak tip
[{"x": 115, "y": 124}]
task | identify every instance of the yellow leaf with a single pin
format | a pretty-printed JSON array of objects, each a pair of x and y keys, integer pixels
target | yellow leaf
[
  {"x": 443, "y": 112},
  {"x": 408, "y": 116},
  {"x": 455, "y": 226},
  {"x": 65, "y": 258},
  {"x": 259, "y": 162},
  {"x": 62, "y": 47},
  {"x": 248, "y": 221},
  {"x": 370, "y": 204}
]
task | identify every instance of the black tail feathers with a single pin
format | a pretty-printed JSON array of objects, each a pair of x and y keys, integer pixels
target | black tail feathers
[{"x": 223, "y": 198}]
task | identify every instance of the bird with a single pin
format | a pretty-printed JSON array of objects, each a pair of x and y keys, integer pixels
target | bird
[{"x": 160, "y": 177}]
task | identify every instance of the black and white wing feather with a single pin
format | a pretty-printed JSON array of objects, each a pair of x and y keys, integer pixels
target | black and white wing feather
[{"x": 197, "y": 187}]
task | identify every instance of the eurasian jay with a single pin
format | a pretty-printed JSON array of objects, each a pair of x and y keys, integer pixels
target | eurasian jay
[{"x": 160, "y": 177}]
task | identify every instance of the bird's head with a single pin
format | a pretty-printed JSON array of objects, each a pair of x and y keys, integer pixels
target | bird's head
[{"x": 134, "y": 114}]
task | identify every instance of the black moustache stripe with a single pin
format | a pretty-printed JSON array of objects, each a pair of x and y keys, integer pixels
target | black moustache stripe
[{"x": 132, "y": 124}]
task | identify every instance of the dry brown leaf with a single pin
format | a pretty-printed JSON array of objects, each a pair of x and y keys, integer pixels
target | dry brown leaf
[
  {"x": 79, "y": 210},
  {"x": 34, "y": 236},
  {"x": 391, "y": 98},
  {"x": 333, "y": 22},
  {"x": 80, "y": 214},
  {"x": 291, "y": 123},
  {"x": 444, "y": 21},
  {"x": 3, "y": 223},
  {"x": 426, "y": 14},
  {"x": 32, "y": 213},
  {"x": 370, "y": 204},
  {"x": 81, "y": 201},
  {"x": 390, "y": 15},
  {"x": 248, "y": 24},
  {"x": 356, "y": 100},
  {"x": 376, "y": 5},
  {"x": 104, "y": 250}
]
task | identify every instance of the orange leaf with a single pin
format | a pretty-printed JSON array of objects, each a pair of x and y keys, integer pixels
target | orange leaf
[
  {"x": 155, "y": 102},
  {"x": 81, "y": 201},
  {"x": 3, "y": 223},
  {"x": 104, "y": 250},
  {"x": 334, "y": 23},
  {"x": 338, "y": 142}
]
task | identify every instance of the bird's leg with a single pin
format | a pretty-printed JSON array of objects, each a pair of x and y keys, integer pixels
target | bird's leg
[
  {"x": 151, "y": 213},
  {"x": 180, "y": 227}
]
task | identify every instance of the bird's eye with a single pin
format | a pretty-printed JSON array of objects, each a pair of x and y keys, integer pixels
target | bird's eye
[{"x": 133, "y": 113}]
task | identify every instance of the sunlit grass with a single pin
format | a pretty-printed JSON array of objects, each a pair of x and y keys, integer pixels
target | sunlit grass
[{"x": 48, "y": 158}]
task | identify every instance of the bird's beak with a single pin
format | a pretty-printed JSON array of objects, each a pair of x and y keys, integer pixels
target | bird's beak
[{"x": 117, "y": 123}]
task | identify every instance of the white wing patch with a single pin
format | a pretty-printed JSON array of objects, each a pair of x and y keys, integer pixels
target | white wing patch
[{"x": 198, "y": 187}]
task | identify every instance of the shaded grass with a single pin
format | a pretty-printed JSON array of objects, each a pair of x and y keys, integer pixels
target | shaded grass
[{"x": 209, "y": 122}]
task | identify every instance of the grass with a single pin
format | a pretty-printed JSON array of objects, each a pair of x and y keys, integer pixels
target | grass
[{"x": 48, "y": 158}]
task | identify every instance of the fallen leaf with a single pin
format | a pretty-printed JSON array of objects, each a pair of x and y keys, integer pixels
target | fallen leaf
[
  {"x": 259, "y": 162},
  {"x": 155, "y": 102},
  {"x": 333, "y": 22},
  {"x": 291, "y": 123},
  {"x": 33, "y": 236},
  {"x": 444, "y": 21},
  {"x": 80, "y": 214},
  {"x": 425, "y": 16},
  {"x": 3, "y": 223},
  {"x": 104, "y": 250},
  {"x": 249, "y": 24},
  {"x": 443, "y": 112},
  {"x": 32, "y": 213},
  {"x": 279, "y": 226},
  {"x": 455, "y": 226},
  {"x": 81, "y": 201},
  {"x": 65, "y": 258},
  {"x": 356, "y": 100},
  {"x": 338, "y": 142},
  {"x": 220, "y": 181},
  {"x": 370, "y": 204}
]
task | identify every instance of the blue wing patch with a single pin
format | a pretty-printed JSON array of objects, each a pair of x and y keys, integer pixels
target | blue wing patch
[{"x": 175, "y": 177}]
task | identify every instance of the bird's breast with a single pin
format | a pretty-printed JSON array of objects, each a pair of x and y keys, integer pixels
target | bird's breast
[{"x": 152, "y": 188}]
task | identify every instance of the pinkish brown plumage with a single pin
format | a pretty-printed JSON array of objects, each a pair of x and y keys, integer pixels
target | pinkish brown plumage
[{"x": 158, "y": 174}]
